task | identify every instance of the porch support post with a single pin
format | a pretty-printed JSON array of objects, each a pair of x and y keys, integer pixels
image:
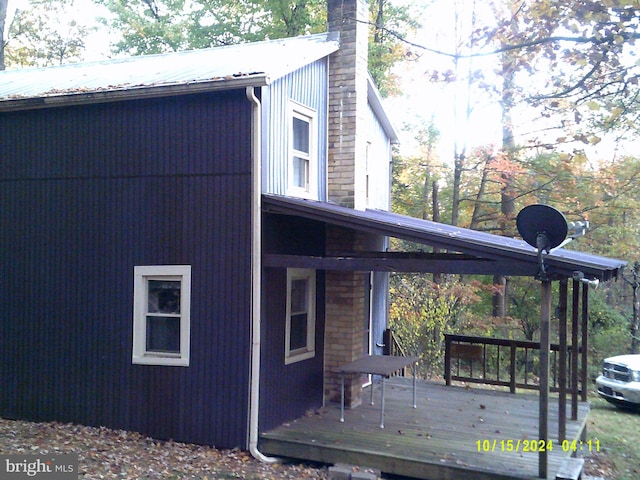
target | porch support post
[
  {"x": 562, "y": 369},
  {"x": 585, "y": 341},
  {"x": 545, "y": 319},
  {"x": 574, "y": 348}
]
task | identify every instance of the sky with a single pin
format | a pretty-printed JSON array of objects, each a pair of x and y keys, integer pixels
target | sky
[
  {"x": 422, "y": 100},
  {"x": 85, "y": 12}
]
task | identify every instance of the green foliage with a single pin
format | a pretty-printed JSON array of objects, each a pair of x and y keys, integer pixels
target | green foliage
[
  {"x": 413, "y": 177},
  {"x": 619, "y": 434},
  {"x": 389, "y": 23},
  {"x": 422, "y": 312},
  {"x": 45, "y": 34},
  {"x": 609, "y": 332},
  {"x": 156, "y": 26}
]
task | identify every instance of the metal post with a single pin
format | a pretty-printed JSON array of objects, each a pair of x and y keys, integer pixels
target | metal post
[
  {"x": 372, "y": 383},
  {"x": 545, "y": 319},
  {"x": 382, "y": 406},
  {"x": 342, "y": 398}
]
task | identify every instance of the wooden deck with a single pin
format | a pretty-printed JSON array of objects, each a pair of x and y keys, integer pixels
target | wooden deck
[{"x": 436, "y": 441}]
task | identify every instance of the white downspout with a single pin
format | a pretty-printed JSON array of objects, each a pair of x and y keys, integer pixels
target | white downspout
[{"x": 256, "y": 274}]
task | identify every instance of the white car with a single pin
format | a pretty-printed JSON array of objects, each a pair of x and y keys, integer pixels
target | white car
[{"x": 620, "y": 381}]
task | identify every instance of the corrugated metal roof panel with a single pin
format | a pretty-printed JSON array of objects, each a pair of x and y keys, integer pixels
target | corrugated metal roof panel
[
  {"x": 257, "y": 62},
  {"x": 559, "y": 262}
]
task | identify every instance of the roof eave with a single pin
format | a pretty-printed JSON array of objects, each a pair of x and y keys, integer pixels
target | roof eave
[
  {"x": 375, "y": 100},
  {"x": 67, "y": 98}
]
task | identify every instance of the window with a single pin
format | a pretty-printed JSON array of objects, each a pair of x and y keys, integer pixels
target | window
[
  {"x": 301, "y": 315},
  {"x": 161, "y": 315},
  {"x": 303, "y": 168}
]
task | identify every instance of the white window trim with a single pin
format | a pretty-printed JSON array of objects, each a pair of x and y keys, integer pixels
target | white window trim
[
  {"x": 140, "y": 301},
  {"x": 309, "y": 115},
  {"x": 292, "y": 356}
]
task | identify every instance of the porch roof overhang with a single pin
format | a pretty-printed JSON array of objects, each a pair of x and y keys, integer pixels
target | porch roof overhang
[{"x": 469, "y": 251}]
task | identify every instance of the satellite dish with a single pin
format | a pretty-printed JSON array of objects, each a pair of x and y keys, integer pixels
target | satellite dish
[{"x": 541, "y": 226}]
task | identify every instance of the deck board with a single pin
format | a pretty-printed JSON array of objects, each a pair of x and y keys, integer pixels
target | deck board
[{"x": 435, "y": 441}]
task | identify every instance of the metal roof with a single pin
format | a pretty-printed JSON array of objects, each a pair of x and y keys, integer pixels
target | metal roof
[
  {"x": 255, "y": 64},
  {"x": 507, "y": 256}
]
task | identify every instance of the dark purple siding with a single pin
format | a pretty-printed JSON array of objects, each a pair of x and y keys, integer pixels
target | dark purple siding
[
  {"x": 87, "y": 193},
  {"x": 288, "y": 391}
]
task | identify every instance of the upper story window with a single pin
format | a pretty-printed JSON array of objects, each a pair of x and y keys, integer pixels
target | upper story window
[
  {"x": 161, "y": 315},
  {"x": 303, "y": 161}
]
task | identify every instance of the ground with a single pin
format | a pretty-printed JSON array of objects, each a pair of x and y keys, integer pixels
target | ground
[
  {"x": 619, "y": 434},
  {"x": 116, "y": 454}
]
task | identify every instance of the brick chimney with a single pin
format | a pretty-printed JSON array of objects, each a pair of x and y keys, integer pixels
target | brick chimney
[
  {"x": 348, "y": 77},
  {"x": 348, "y": 103}
]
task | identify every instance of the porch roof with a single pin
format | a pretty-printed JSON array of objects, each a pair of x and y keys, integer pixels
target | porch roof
[{"x": 476, "y": 252}]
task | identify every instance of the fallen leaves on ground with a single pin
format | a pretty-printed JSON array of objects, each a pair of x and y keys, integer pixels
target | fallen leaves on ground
[
  {"x": 117, "y": 454},
  {"x": 598, "y": 465}
]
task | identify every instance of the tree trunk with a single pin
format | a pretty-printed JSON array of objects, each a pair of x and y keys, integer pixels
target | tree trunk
[
  {"x": 475, "y": 217},
  {"x": 635, "y": 321},
  {"x": 3, "y": 19},
  {"x": 425, "y": 194},
  {"x": 435, "y": 199},
  {"x": 500, "y": 297},
  {"x": 435, "y": 202},
  {"x": 377, "y": 37},
  {"x": 507, "y": 195},
  {"x": 457, "y": 180}
]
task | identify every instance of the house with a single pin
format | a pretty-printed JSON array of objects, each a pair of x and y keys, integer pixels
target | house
[
  {"x": 193, "y": 243},
  {"x": 133, "y": 233}
]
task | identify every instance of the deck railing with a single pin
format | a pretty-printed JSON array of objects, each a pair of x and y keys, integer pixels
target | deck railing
[
  {"x": 391, "y": 346},
  {"x": 499, "y": 361}
]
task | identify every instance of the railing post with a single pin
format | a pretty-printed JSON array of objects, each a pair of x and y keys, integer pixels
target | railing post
[
  {"x": 543, "y": 425},
  {"x": 512, "y": 369},
  {"x": 574, "y": 348},
  {"x": 447, "y": 360},
  {"x": 386, "y": 341},
  {"x": 585, "y": 341},
  {"x": 562, "y": 374}
]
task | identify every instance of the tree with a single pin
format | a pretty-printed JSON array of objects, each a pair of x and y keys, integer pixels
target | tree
[
  {"x": 633, "y": 279},
  {"x": 385, "y": 48},
  {"x": 576, "y": 60},
  {"x": 155, "y": 26},
  {"x": 45, "y": 34},
  {"x": 423, "y": 312}
]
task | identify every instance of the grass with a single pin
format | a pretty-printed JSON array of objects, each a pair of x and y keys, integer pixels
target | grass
[{"x": 619, "y": 434}]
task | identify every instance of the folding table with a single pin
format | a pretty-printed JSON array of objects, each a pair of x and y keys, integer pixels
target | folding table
[{"x": 383, "y": 365}]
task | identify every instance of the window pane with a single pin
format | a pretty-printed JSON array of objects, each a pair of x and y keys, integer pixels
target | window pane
[
  {"x": 300, "y": 172},
  {"x": 300, "y": 135},
  {"x": 298, "y": 335},
  {"x": 164, "y": 296},
  {"x": 163, "y": 334},
  {"x": 299, "y": 295}
]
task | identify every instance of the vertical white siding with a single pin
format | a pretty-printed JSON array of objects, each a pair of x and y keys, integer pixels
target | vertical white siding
[
  {"x": 307, "y": 86},
  {"x": 379, "y": 163}
]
